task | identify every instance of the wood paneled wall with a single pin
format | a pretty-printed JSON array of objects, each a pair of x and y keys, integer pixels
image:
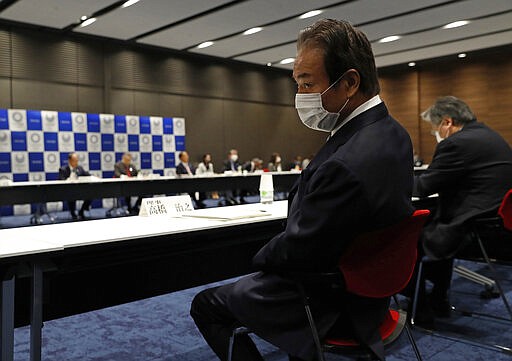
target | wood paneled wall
[
  {"x": 226, "y": 104},
  {"x": 229, "y": 104},
  {"x": 483, "y": 80}
]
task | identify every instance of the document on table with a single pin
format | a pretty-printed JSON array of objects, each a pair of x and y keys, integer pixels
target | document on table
[{"x": 224, "y": 213}]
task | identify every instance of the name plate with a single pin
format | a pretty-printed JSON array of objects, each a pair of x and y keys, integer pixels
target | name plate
[{"x": 172, "y": 206}]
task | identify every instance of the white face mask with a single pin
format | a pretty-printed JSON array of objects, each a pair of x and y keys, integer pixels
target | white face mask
[
  {"x": 234, "y": 157},
  {"x": 312, "y": 112},
  {"x": 438, "y": 136}
]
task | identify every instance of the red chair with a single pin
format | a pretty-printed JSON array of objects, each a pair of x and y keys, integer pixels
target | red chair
[{"x": 377, "y": 264}]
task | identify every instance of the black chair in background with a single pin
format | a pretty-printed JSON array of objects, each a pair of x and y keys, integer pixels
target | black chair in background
[{"x": 490, "y": 243}]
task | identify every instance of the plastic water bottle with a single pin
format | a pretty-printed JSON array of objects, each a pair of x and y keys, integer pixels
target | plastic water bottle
[{"x": 266, "y": 188}]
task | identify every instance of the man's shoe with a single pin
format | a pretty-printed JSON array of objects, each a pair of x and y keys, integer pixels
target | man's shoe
[{"x": 73, "y": 216}]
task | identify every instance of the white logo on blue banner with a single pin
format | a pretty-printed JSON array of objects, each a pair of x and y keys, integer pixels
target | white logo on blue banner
[
  {"x": 93, "y": 142},
  {"x": 136, "y": 159},
  {"x": 157, "y": 160},
  {"x": 17, "y": 119},
  {"x": 50, "y": 121},
  {"x": 179, "y": 126},
  {"x": 66, "y": 142},
  {"x": 108, "y": 161},
  {"x": 132, "y": 124},
  {"x": 51, "y": 162},
  {"x": 121, "y": 143},
  {"x": 157, "y": 127},
  {"x": 145, "y": 144},
  {"x": 6, "y": 176},
  {"x": 5, "y": 141},
  {"x": 19, "y": 162},
  {"x": 168, "y": 143},
  {"x": 83, "y": 159},
  {"x": 35, "y": 141},
  {"x": 79, "y": 122},
  {"x": 107, "y": 123},
  {"x": 36, "y": 177}
]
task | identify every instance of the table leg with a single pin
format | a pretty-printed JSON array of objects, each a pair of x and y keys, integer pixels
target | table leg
[
  {"x": 7, "y": 330},
  {"x": 36, "y": 312}
]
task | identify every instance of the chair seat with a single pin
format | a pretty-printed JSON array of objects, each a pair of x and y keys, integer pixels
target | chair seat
[{"x": 389, "y": 330}]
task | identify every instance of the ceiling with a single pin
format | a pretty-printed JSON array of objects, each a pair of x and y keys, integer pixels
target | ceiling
[{"x": 182, "y": 25}]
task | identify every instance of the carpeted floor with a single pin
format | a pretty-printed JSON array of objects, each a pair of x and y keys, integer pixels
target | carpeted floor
[{"x": 160, "y": 328}]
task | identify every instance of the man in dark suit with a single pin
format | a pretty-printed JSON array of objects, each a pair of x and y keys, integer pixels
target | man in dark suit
[
  {"x": 126, "y": 168},
  {"x": 185, "y": 168},
  {"x": 232, "y": 164},
  {"x": 73, "y": 170},
  {"x": 360, "y": 180},
  {"x": 471, "y": 171}
]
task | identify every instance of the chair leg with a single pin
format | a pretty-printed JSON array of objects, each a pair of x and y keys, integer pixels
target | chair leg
[
  {"x": 312, "y": 325},
  {"x": 416, "y": 292},
  {"x": 410, "y": 336},
  {"x": 498, "y": 285},
  {"x": 231, "y": 346}
]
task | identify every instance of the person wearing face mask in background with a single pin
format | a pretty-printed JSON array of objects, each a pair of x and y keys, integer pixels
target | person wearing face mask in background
[
  {"x": 232, "y": 164},
  {"x": 360, "y": 180},
  {"x": 471, "y": 171}
]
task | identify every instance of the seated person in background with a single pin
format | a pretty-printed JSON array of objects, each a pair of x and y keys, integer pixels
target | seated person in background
[
  {"x": 125, "y": 167},
  {"x": 274, "y": 165},
  {"x": 185, "y": 168},
  {"x": 205, "y": 168},
  {"x": 232, "y": 164},
  {"x": 73, "y": 170},
  {"x": 256, "y": 164},
  {"x": 471, "y": 171},
  {"x": 296, "y": 164}
]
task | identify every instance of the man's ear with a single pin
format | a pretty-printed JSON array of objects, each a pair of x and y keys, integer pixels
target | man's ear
[
  {"x": 449, "y": 121},
  {"x": 351, "y": 81}
]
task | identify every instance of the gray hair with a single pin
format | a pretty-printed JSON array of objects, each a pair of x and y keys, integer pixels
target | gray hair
[{"x": 448, "y": 106}]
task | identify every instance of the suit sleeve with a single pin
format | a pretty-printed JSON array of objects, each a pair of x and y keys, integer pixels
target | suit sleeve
[
  {"x": 117, "y": 171},
  {"x": 444, "y": 172},
  {"x": 332, "y": 210},
  {"x": 84, "y": 172},
  {"x": 62, "y": 173}
]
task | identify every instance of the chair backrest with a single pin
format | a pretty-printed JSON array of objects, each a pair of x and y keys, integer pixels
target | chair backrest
[
  {"x": 505, "y": 210},
  {"x": 381, "y": 263}
]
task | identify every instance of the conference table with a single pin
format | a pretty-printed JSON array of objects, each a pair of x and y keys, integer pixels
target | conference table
[
  {"x": 94, "y": 264},
  {"x": 95, "y": 188},
  {"x": 100, "y": 263}
]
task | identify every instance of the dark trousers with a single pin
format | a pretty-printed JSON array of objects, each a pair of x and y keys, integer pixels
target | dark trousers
[
  {"x": 72, "y": 206},
  {"x": 128, "y": 201},
  {"x": 438, "y": 272},
  {"x": 216, "y": 323}
]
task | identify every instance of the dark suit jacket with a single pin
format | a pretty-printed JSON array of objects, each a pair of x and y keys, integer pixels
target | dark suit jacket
[
  {"x": 120, "y": 169},
  {"x": 65, "y": 171},
  {"x": 360, "y": 180},
  {"x": 471, "y": 171},
  {"x": 227, "y": 165},
  {"x": 180, "y": 169}
]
